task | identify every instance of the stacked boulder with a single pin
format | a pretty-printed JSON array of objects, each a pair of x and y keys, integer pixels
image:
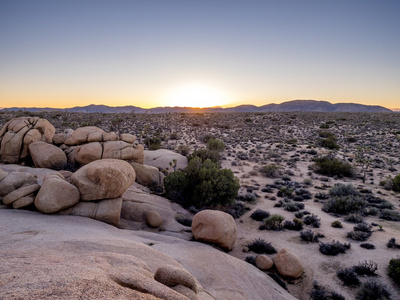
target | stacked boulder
[
  {"x": 17, "y": 134},
  {"x": 93, "y": 191}
]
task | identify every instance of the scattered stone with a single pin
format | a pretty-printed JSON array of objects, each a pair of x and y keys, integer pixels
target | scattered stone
[
  {"x": 288, "y": 264},
  {"x": 215, "y": 227},
  {"x": 56, "y": 194},
  {"x": 154, "y": 219},
  {"x": 48, "y": 156},
  {"x": 103, "y": 179},
  {"x": 173, "y": 276},
  {"x": 263, "y": 262}
]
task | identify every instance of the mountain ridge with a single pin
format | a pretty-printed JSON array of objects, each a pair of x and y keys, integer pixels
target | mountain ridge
[{"x": 289, "y": 106}]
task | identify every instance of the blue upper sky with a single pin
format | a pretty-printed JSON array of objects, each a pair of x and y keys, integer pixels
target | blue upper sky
[{"x": 151, "y": 53}]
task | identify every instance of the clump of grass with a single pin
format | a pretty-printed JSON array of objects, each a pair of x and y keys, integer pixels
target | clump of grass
[
  {"x": 333, "y": 248},
  {"x": 260, "y": 246}
]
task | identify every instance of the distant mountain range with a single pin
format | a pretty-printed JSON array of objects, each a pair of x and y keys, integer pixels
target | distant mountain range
[{"x": 295, "y": 105}]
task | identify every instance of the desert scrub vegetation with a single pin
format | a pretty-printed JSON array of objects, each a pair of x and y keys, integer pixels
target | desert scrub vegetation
[
  {"x": 296, "y": 224},
  {"x": 331, "y": 166},
  {"x": 259, "y": 215},
  {"x": 337, "y": 224},
  {"x": 344, "y": 205},
  {"x": 260, "y": 246},
  {"x": 394, "y": 269},
  {"x": 348, "y": 276},
  {"x": 215, "y": 145},
  {"x": 312, "y": 220},
  {"x": 333, "y": 248},
  {"x": 270, "y": 170},
  {"x": 323, "y": 293},
  {"x": 310, "y": 236},
  {"x": 373, "y": 289},
  {"x": 273, "y": 222},
  {"x": 202, "y": 184}
]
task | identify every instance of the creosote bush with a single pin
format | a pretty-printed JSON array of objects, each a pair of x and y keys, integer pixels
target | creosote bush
[
  {"x": 331, "y": 166},
  {"x": 273, "y": 222},
  {"x": 260, "y": 215},
  {"x": 202, "y": 184},
  {"x": 260, "y": 246},
  {"x": 373, "y": 290},
  {"x": 394, "y": 269},
  {"x": 333, "y": 248}
]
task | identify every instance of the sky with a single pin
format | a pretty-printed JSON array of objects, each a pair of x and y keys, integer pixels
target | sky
[{"x": 153, "y": 53}]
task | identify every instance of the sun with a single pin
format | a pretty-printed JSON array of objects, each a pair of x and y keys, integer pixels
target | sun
[{"x": 196, "y": 95}]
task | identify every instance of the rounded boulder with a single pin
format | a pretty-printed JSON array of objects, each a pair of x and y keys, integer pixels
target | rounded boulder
[
  {"x": 48, "y": 156},
  {"x": 288, "y": 264},
  {"x": 103, "y": 179},
  {"x": 215, "y": 227}
]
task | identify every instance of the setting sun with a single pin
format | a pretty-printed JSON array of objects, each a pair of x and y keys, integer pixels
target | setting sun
[{"x": 196, "y": 95}]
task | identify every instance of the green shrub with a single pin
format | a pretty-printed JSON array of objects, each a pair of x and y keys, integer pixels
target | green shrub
[
  {"x": 153, "y": 143},
  {"x": 296, "y": 224},
  {"x": 330, "y": 166},
  {"x": 205, "y": 154},
  {"x": 348, "y": 276},
  {"x": 260, "y": 246},
  {"x": 394, "y": 269},
  {"x": 260, "y": 215},
  {"x": 337, "y": 224},
  {"x": 202, "y": 184},
  {"x": 344, "y": 205},
  {"x": 271, "y": 170},
  {"x": 215, "y": 145},
  {"x": 310, "y": 236},
  {"x": 396, "y": 183},
  {"x": 390, "y": 215},
  {"x": 333, "y": 248},
  {"x": 329, "y": 144},
  {"x": 341, "y": 189},
  {"x": 273, "y": 222}
]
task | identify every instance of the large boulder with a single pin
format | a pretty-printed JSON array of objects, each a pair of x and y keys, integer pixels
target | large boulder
[
  {"x": 288, "y": 264},
  {"x": 60, "y": 138},
  {"x": 162, "y": 159},
  {"x": 14, "y": 181},
  {"x": 108, "y": 210},
  {"x": 19, "y": 193},
  {"x": 263, "y": 262},
  {"x": 18, "y": 133},
  {"x": 89, "y": 134},
  {"x": 148, "y": 175},
  {"x": 215, "y": 227},
  {"x": 56, "y": 194},
  {"x": 103, "y": 179},
  {"x": 48, "y": 156}
]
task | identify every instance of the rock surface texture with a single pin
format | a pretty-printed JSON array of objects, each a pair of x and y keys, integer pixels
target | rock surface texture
[
  {"x": 215, "y": 227},
  {"x": 78, "y": 258}
]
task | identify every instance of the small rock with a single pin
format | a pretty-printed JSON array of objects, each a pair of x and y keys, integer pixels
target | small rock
[
  {"x": 154, "y": 219},
  {"x": 19, "y": 193},
  {"x": 173, "y": 276},
  {"x": 23, "y": 202},
  {"x": 263, "y": 262}
]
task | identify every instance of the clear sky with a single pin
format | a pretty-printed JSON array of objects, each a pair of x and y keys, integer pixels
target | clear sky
[{"x": 198, "y": 53}]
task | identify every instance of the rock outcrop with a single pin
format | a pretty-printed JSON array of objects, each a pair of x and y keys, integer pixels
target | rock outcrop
[
  {"x": 215, "y": 227},
  {"x": 17, "y": 134},
  {"x": 163, "y": 159}
]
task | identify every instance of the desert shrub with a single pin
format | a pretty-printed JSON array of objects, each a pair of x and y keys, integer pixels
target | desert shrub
[
  {"x": 183, "y": 149},
  {"x": 337, "y": 224},
  {"x": 292, "y": 207},
  {"x": 322, "y": 293},
  {"x": 260, "y": 246},
  {"x": 205, "y": 154},
  {"x": 285, "y": 191},
  {"x": 341, "y": 189},
  {"x": 354, "y": 218},
  {"x": 394, "y": 269},
  {"x": 372, "y": 290},
  {"x": 248, "y": 197},
  {"x": 260, "y": 215},
  {"x": 236, "y": 210},
  {"x": 299, "y": 214},
  {"x": 366, "y": 268},
  {"x": 207, "y": 137},
  {"x": 348, "y": 276},
  {"x": 215, "y": 145},
  {"x": 202, "y": 184},
  {"x": 153, "y": 143},
  {"x": 367, "y": 246},
  {"x": 329, "y": 144},
  {"x": 251, "y": 260},
  {"x": 372, "y": 211},
  {"x": 270, "y": 170},
  {"x": 327, "y": 134},
  {"x": 344, "y": 205},
  {"x": 364, "y": 227},
  {"x": 392, "y": 243},
  {"x": 273, "y": 222},
  {"x": 358, "y": 235},
  {"x": 390, "y": 215},
  {"x": 396, "y": 183},
  {"x": 333, "y": 248},
  {"x": 312, "y": 220},
  {"x": 331, "y": 166},
  {"x": 296, "y": 224},
  {"x": 310, "y": 236},
  {"x": 278, "y": 280}
]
